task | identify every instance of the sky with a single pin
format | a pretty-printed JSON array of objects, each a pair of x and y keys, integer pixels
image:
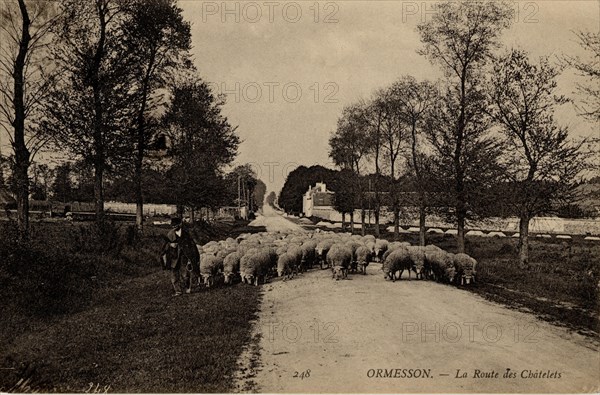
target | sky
[{"x": 289, "y": 67}]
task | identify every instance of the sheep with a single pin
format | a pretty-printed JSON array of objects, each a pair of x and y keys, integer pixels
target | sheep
[
  {"x": 339, "y": 258},
  {"x": 396, "y": 244},
  {"x": 281, "y": 250},
  {"x": 442, "y": 265},
  {"x": 430, "y": 250},
  {"x": 295, "y": 251},
  {"x": 381, "y": 247},
  {"x": 255, "y": 266},
  {"x": 363, "y": 256},
  {"x": 397, "y": 260},
  {"x": 308, "y": 254},
  {"x": 210, "y": 265},
  {"x": 353, "y": 245},
  {"x": 465, "y": 268},
  {"x": 371, "y": 246},
  {"x": 385, "y": 255},
  {"x": 273, "y": 259},
  {"x": 231, "y": 266},
  {"x": 417, "y": 256},
  {"x": 231, "y": 241},
  {"x": 285, "y": 265},
  {"x": 322, "y": 250},
  {"x": 368, "y": 239}
]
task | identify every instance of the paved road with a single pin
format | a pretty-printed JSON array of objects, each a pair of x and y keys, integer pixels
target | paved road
[{"x": 351, "y": 334}]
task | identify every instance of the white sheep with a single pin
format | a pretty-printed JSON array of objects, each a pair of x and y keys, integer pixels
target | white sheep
[
  {"x": 210, "y": 265},
  {"x": 442, "y": 265},
  {"x": 231, "y": 266},
  {"x": 339, "y": 258},
  {"x": 285, "y": 264},
  {"x": 308, "y": 254},
  {"x": 465, "y": 268},
  {"x": 255, "y": 265},
  {"x": 417, "y": 256},
  {"x": 397, "y": 260},
  {"x": 322, "y": 250},
  {"x": 381, "y": 246},
  {"x": 363, "y": 256}
]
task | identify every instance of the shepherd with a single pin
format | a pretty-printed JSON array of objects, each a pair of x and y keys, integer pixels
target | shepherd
[{"x": 180, "y": 256}]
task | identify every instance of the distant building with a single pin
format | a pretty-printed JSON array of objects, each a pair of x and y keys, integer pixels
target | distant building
[{"x": 317, "y": 198}]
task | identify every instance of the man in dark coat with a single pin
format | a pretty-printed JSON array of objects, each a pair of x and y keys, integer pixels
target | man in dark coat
[{"x": 180, "y": 256}]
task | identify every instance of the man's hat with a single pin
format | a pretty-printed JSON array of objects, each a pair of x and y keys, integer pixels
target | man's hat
[{"x": 175, "y": 221}]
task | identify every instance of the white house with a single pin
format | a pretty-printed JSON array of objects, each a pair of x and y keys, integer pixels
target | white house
[{"x": 317, "y": 198}]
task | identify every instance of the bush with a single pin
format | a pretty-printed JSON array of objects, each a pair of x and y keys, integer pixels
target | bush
[
  {"x": 42, "y": 281},
  {"x": 103, "y": 238}
]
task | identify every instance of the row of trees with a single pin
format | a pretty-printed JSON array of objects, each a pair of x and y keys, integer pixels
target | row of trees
[
  {"x": 110, "y": 83},
  {"x": 484, "y": 135},
  {"x": 70, "y": 182}
]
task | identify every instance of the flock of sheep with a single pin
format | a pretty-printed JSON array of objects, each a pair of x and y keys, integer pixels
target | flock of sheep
[{"x": 254, "y": 258}]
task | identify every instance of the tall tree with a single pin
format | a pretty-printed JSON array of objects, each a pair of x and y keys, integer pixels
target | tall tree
[
  {"x": 158, "y": 37},
  {"x": 271, "y": 198},
  {"x": 89, "y": 112},
  {"x": 349, "y": 147},
  {"x": 374, "y": 113},
  {"x": 460, "y": 38},
  {"x": 297, "y": 183},
  {"x": 395, "y": 138},
  {"x": 202, "y": 143},
  {"x": 542, "y": 165},
  {"x": 415, "y": 99},
  {"x": 589, "y": 106},
  {"x": 62, "y": 187},
  {"x": 25, "y": 78},
  {"x": 258, "y": 195}
]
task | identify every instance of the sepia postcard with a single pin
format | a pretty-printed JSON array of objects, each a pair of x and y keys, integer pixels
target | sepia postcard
[{"x": 307, "y": 196}]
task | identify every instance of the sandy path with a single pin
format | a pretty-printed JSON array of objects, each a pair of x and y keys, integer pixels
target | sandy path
[
  {"x": 351, "y": 334},
  {"x": 367, "y": 323},
  {"x": 274, "y": 222}
]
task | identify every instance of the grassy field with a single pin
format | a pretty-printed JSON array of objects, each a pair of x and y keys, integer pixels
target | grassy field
[{"x": 77, "y": 317}]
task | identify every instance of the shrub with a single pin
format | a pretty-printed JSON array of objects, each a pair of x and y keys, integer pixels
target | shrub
[{"x": 42, "y": 281}]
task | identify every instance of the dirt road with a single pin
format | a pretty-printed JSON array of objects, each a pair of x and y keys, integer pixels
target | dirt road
[
  {"x": 274, "y": 222},
  {"x": 365, "y": 334}
]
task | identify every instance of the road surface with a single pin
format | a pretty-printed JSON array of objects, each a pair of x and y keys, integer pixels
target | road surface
[
  {"x": 274, "y": 222},
  {"x": 365, "y": 334}
]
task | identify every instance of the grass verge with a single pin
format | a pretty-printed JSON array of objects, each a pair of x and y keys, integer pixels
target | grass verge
[{"x": 79, "y": 318}]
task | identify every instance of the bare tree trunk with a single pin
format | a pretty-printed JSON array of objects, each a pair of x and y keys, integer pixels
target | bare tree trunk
[
  {"x": 22, "y": 155},
  {"x": 524, "y": 242},
  {"x": 22, "y": 193},
  {"x": 377, "y": 234},
  {"x": 343, "y": 221},
  {"x": 137, "y": 176},
  {"x": 461, "y": 212},
  {"x": 99, "y": 192},
  {"x": 422, "y": 233},
  {"x": 396, "y": 221},
  {"x": 141, "y": 145},
  {"x": 352, "y": 222},
  {"x": 460, "y": 236},
  {"x": 99, "y": 157},
  {"x": 362, "y": 220}
]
